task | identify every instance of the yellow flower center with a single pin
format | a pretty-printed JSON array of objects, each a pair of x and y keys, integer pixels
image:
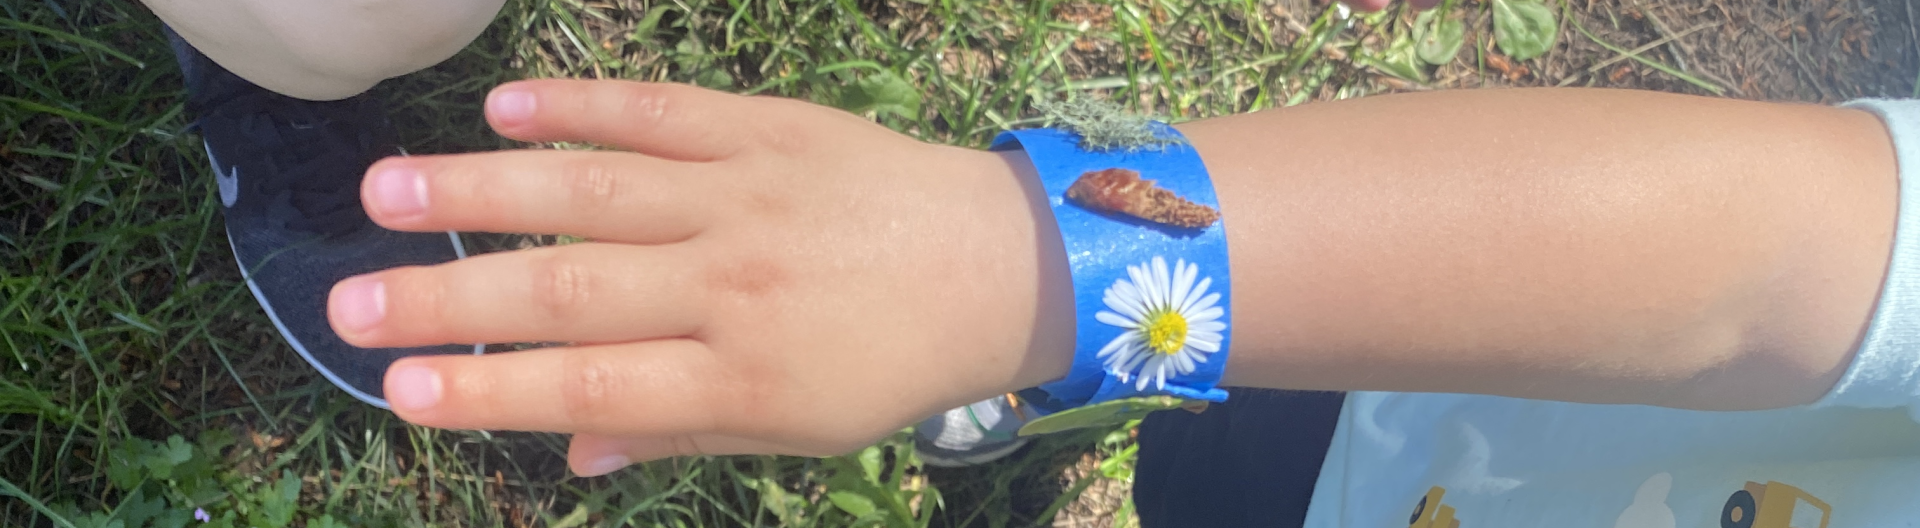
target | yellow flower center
[{"x": 1166, "y": 331}]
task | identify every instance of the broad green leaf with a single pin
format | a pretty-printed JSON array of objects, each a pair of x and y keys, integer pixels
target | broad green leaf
[
  {"x": 851, "y": 502},
  {"x": 1438, "y": 37},
  {"x": 871, "y": 459},
  {"x": 176, "y": 519},
  {"x": 713, "y": 77},
  {"x": 178, "y": 451},
  {"x": 578, "y": 517},
  {"x": 162, "y": 458},
  {"x": 278, "y": 501},
  {"x": 1524, "y": 29},
  {"x": 882, "y": 92},
  {"x": 643, "y": 31},
  {"x": 1113, "y": 412},
  {"x": 97, "y": 520},
  {"x": 137, "y": 510},
  {"x": 1398, "y": 62},
  {"x": 125, "y": 462},
  {"x": 1398, "y": 59}
]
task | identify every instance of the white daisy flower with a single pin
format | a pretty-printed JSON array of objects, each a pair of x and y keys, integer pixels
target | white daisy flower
[{"x": 1172, "y": 323}]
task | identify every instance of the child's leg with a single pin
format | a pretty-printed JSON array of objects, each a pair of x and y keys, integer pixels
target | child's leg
[
  {"x": 1250, "y": 461},
  {"x": 326, "y": 49},
  {"x": 275, "y": 89}
]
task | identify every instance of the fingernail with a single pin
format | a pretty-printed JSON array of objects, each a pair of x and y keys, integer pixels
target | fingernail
[
  {"x": 399, "y": 192},
  {"x": 510, "y": 105},
  {"x": 413, "y": 387},
  {"x": 605, "y": 465},
  {"x": 358, "y": 304}
]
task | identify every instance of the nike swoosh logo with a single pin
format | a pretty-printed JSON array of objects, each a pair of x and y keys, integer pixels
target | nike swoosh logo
[{"x": 228, "y": 180}]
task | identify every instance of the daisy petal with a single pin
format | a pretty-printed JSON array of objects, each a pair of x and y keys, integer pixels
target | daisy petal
[
  {"x": 1183, "y": 363},
  {"x": 1207, "y": 326},
  {"x": 1143, "y": 279},
  {"x": 1137, "y": 354},
  {"x": 1183, "y": 276},
  {"x": 1129, "y": 291},
  {"x": 1125, "y": 307},
  {"x": 1116, "y": 320},
  {"x": 1146, "y": 374},
  {"x": 1162, "y": 282},
  {"x": 1122, "y": 354},
  {"x": 1204, "y": 346},
  {"x": 1202, "y": 316},
  {"x": 1200, "y": 302},
  {"x": 1141, "y": 355},
  {"x": 1116, "y": 343},
  {"x": 1198, "y": 299}
]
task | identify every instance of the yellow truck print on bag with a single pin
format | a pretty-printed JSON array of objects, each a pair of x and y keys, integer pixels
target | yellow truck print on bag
[
  {"x": 1771, "y": 505},
  {"x": 1430, "y": 513}
]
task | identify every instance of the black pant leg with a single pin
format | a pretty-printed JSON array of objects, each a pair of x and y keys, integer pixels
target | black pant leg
[{"x": 1250, "y": 461}]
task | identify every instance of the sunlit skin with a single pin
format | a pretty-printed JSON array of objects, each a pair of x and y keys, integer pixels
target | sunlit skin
[{"x": 770, "y": 276}]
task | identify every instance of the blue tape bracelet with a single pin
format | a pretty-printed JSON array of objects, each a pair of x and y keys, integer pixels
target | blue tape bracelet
[{"x": 1147, "y": 249}]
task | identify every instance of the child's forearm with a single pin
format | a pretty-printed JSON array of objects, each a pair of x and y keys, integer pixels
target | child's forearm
[
  {"x": 753, "y": 258},
  {"x": 1581, "y": 245}
]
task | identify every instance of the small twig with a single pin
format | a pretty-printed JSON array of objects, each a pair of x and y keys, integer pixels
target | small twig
[
  {"x": 1813, "y": 76},
  {"x": 1704, "y": 85},
  {"x": 1655, "y": 44},
  {"x": 1680, "y": 47}
]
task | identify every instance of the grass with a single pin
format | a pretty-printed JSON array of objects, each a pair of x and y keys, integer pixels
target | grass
[{"x": 140, "y": 383}]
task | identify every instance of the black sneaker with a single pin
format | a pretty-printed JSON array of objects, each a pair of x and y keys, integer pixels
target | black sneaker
[
  {"x": 289, "y": 173},
  {"x": 979, "y": 433}
]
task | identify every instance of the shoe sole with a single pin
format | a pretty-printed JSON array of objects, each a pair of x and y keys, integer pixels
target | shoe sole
[
  {"x": 459, "y": 252},
  {"x": 939, "y": 459}
]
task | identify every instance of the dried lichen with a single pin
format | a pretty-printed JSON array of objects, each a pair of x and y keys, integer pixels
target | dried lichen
[{"x": 1102, "y": 125}]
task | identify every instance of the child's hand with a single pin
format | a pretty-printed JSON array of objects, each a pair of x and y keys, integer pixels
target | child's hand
[{"x": 765, "y": 276}]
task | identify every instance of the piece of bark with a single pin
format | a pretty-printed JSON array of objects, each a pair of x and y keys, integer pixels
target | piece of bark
[{"x": 1122, "y": 191}]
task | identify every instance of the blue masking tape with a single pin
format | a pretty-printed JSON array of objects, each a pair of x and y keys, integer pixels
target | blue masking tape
[{"x": 1151, "y": 299}]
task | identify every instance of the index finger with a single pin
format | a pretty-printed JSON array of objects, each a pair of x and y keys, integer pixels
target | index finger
[{"x": 672, "y": 121}]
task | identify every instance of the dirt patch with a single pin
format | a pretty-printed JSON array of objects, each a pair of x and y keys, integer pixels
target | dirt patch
[
  {"x": 1825, "y": 51},
  {"x": 1816, "y": 51}
]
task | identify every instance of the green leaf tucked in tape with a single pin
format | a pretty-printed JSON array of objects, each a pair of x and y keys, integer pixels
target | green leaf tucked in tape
[{"x": 1105, "y": 413}]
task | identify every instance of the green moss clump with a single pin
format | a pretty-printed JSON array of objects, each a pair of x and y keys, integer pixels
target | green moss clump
[{"x": 1102, "y": 124}]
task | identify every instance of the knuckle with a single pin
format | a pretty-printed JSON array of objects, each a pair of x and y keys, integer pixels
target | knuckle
[
  {"x": 591, "y": 187},
  {"x": 779, "y": 134},
  {"x": 560, "y": 287},
  {"x": 632, "y": 102},
  {"x": 749, "y": 400},
  {"x": 588, "y": 393}
]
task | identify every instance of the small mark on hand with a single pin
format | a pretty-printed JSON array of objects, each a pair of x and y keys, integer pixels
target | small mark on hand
[{"x": 750, "y": 277}]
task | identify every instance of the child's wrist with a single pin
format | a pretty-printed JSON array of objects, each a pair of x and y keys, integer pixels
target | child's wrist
[
  {"x": 1048, "y": 354},
  {"x": 1139, "y": 228}
]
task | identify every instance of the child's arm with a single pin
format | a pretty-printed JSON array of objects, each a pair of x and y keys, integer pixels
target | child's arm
[
  {"x": 1583, "y": 245},
  {"x": 774, "y": 276}
]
